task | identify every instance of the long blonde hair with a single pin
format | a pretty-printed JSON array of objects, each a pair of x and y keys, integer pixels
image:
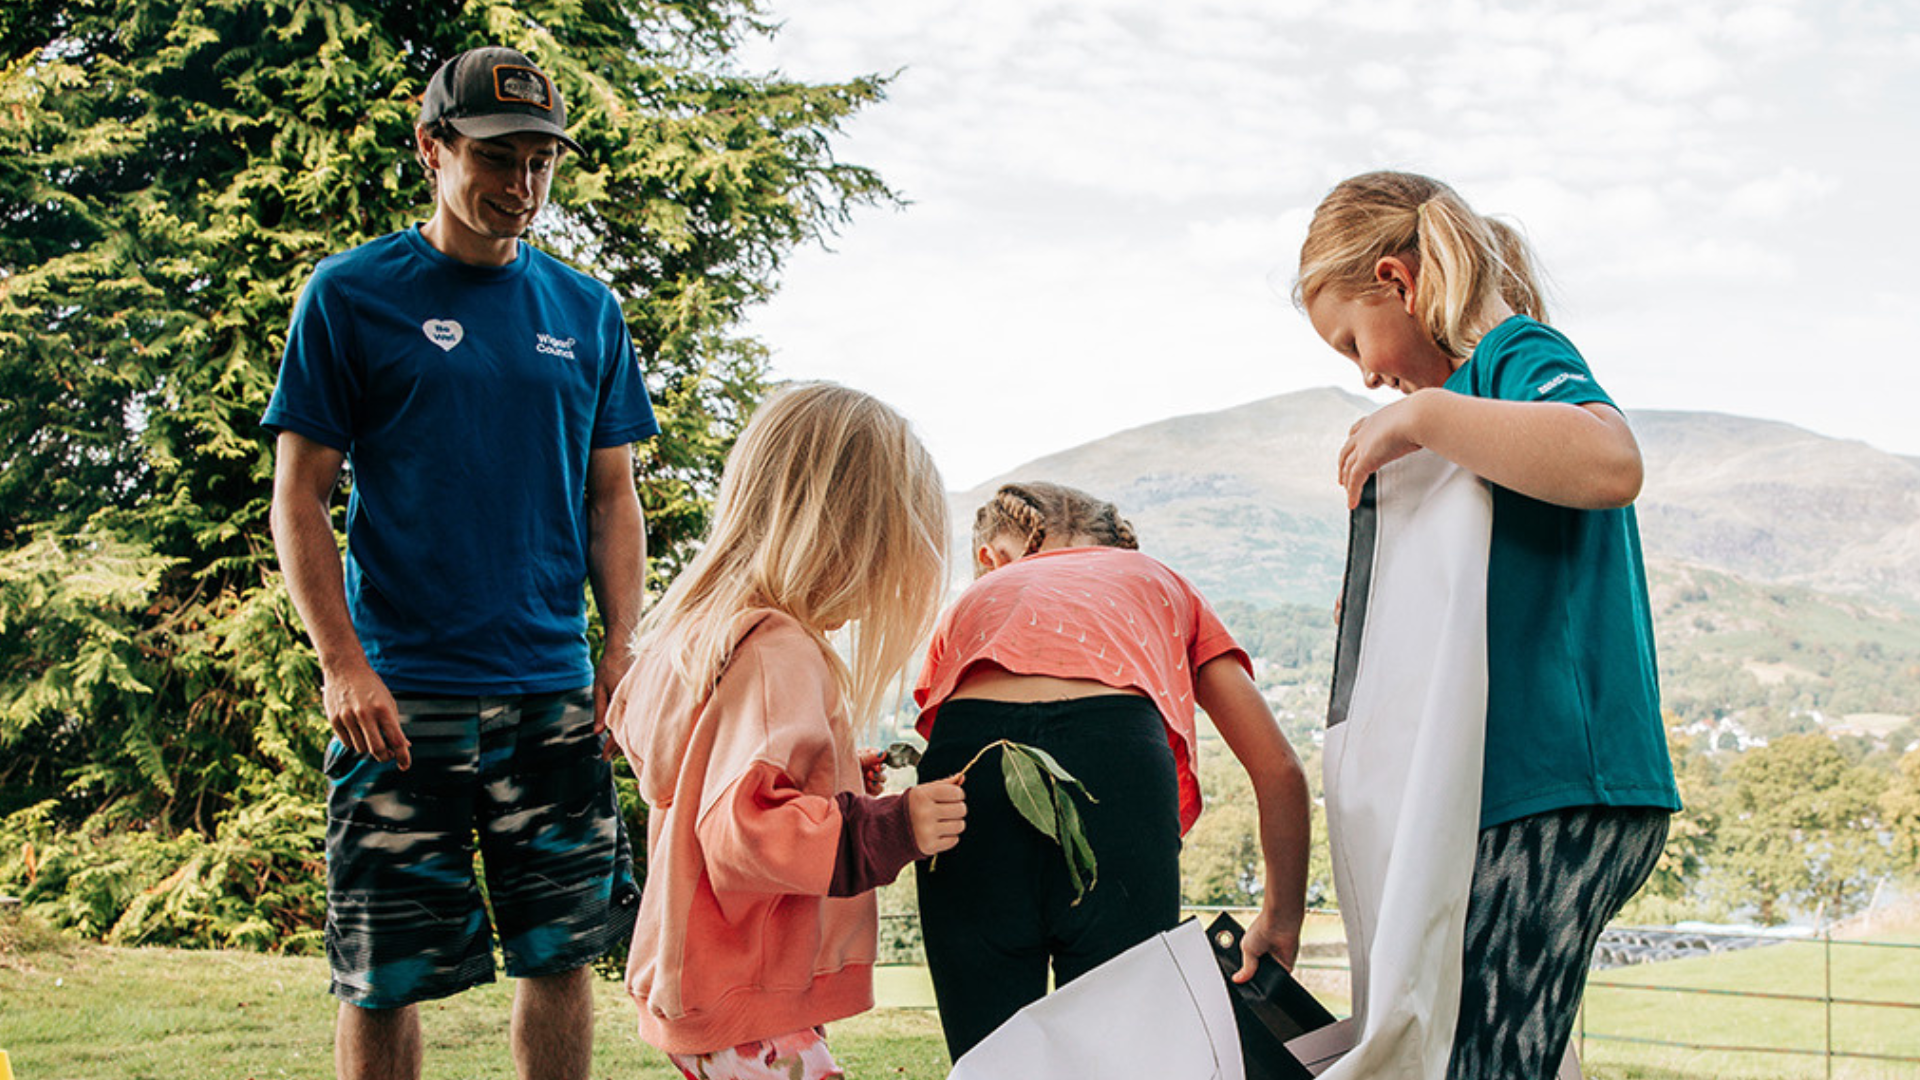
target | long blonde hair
[
  {"x": 832, "y": 511},
  {"x": 1463, "y": 260},
  {"x": 1035, "y": 510}
]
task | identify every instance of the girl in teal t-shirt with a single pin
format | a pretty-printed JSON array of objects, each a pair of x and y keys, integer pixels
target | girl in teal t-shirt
[{"x": 1426, "y": 296}]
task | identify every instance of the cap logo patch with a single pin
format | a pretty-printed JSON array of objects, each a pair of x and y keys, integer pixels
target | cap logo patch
[{"x": 522, "y": 86}]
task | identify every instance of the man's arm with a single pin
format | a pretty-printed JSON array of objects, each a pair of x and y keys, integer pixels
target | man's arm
[
  {"x": 357, "y": 702},
  {"x": 616, "y": 567}
]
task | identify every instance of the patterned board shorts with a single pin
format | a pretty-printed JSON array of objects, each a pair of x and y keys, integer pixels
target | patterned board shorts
[
  {"x": 520, "y": 778},
  {"x": 802, "y": 1055}
]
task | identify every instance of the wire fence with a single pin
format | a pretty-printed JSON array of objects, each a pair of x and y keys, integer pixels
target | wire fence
[{"x": 1827, "y": 1000}]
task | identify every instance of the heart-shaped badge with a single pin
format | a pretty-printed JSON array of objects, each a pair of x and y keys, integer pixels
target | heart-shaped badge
[{"x": 443, "y": 332}]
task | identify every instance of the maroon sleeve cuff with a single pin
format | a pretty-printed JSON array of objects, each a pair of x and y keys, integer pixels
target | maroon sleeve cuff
[{"x": 876, "y": 841}]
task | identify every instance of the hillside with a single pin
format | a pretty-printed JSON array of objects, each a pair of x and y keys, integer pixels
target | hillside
[
  {"x": 1785, "y": 566},
  {"x": 1244, "y": 499}
]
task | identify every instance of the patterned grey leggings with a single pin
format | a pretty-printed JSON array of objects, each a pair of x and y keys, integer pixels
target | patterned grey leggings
[{"x": 1543, "y": 888}]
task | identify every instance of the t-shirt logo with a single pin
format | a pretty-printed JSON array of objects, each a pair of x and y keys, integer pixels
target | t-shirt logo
[
  {"x": 554, "y": 346},
  {"x": 444, "y": 332},
  {"x": 1554, "y": 383}
]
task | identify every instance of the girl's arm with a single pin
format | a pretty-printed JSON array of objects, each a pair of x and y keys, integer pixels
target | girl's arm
[
  {"x": 1243, "y": 719},
  {"x": 766, "y": 835},
  {"x": 1580, "y": 456}
]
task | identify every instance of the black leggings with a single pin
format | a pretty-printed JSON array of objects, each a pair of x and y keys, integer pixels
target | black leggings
[{"x": 998, "y": 908}]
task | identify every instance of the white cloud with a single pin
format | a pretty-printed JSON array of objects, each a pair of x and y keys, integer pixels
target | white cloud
[
  {"x": 1783, "y": 192},
  {"x": 1110, "y": 195}
]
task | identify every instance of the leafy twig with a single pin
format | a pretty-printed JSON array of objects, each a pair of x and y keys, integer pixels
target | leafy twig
[{"x": 1035, "y": 787}]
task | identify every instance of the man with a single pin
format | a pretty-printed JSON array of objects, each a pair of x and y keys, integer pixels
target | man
[{"x": 487, "y": 397}]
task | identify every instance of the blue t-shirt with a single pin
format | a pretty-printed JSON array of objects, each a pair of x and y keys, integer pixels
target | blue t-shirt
[
  {"x": 1573, "y": 698},
  {"x": 467, "y": 400}
]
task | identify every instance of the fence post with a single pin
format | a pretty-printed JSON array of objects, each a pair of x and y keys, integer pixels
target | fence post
[{"x": 1826, "y": 936}]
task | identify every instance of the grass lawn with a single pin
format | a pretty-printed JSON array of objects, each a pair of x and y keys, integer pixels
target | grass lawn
[
  {"x": 72, "y": 1011},
  {"x": 86, "y": 1012}
]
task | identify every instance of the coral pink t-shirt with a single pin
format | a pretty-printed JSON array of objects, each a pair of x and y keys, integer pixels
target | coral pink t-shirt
[{"x": 1105, "y": 614}]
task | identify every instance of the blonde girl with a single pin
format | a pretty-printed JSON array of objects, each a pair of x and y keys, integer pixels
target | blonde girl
[
  {"x": 758, "y": 925},
  {"x": 1073, "y": 640},
  {"x": 1426, "y": 296}
]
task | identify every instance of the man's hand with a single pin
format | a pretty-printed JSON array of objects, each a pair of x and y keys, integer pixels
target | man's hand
[
  {"x": 606, "y": 679},
  {"x": 364, "y": 716}
]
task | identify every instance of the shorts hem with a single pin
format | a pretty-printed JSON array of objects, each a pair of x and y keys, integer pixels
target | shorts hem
[
  {"x": 366, "y": 998},
  {"x": 571, "y": 960}
]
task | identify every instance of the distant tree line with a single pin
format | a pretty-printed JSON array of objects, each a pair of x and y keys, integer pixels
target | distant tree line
[{"x": 1807, "y": 824}]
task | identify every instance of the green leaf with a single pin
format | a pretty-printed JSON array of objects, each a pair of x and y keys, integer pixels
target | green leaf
[
  {"x": 1054, "y": 767},
  {"x": 1027, "y": 789},
  {"x": 1073, "y": 837}
]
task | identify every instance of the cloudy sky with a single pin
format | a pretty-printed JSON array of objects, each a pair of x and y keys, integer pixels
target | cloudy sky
[{"x": 1108, "y": 197}]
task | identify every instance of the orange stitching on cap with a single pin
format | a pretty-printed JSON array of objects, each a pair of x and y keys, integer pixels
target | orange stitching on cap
[{"x": 500, "y": 93}]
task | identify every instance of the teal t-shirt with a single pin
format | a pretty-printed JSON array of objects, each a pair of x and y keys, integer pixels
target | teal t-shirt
[{"x": 1573, "y": 697}]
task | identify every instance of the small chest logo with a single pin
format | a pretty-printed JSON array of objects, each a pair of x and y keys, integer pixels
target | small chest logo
[
  {"x": 554, "y": 346},
  {"x": 443, "y": 332}
]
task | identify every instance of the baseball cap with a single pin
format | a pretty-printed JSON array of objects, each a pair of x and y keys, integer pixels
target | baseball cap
[{"x": 494, "y": 91}]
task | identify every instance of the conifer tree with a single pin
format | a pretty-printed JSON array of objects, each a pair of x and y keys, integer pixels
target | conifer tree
[{"x": 169, "y": 175}]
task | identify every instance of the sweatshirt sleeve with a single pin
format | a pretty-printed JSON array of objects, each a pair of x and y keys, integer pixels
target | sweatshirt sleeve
[
  {"x": 876, "y": 842},
  {"x": 765, "y": 835}
]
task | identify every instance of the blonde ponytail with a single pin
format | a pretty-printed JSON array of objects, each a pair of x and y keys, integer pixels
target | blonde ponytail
[{"x": 1463, "y": 260}]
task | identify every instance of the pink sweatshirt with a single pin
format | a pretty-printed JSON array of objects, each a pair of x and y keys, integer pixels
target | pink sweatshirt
[{"x": 746, "y": 787}]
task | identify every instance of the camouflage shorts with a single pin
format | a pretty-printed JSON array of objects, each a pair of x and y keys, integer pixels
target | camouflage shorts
[{"x": 521, "y": 780}]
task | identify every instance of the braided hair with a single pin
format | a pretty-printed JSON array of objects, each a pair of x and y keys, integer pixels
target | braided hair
[{"x": 1035, "y": 511}]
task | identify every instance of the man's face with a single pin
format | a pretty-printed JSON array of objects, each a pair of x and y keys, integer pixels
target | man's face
[{"x": 489, "y": 190}]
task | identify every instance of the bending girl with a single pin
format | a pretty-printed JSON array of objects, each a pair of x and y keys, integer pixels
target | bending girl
[{"x": 1074, "y": 641}]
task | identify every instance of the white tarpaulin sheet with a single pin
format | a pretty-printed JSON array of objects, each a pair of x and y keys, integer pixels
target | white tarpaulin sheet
[
  {"x": 1403, "y": 759},
  {"x": 1158, "y": 1010}
]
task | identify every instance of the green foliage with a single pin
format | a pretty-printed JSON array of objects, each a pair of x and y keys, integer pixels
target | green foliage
[
  {"x": 1220, "y": 859},
  {"x": 1800, "y": 829},
  {"x": 257, "y": 883},
  {"x": 169, "y": 176},
  {"x": 1900, "y": 811},
  {"x": 1774, "y": 654}
]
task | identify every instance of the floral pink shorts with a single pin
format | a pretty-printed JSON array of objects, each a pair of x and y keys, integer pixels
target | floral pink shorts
[{"x": 802, "y": 1055}]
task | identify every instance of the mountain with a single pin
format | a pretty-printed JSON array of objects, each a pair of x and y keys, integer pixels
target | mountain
[
  {"x": 1784, "y": 566},
  {"x": 1774, "y": 503},
  {"x": 1244, "y": 501}
]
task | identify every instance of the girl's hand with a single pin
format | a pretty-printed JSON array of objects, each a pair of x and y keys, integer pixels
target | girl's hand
[
  {"x": 1375, "y": 440},
  {"x": 873, "y": 770},
  {"x": 938, "y": 812},
  {"x": 1266, "y": 937}
]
